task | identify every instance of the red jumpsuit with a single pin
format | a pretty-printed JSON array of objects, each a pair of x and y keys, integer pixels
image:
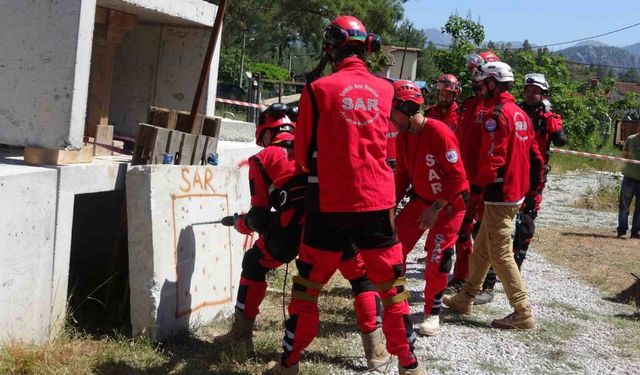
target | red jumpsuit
[
  {"x": 341, "y": 138},
  {"x": 469, "y": 133},
  {"x": 272, "y": 171},
  {"x": 449, "y": 117},
  {"x": 430, "y": 162}
]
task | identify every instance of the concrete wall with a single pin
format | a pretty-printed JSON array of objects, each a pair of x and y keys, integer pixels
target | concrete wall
[
  {"x": 410, "y": 65},
  {"x": 45, "y": 49},
  {"x": 45, "y": 52},
  {"x": 27, "y": 234},
  {"x": 183, "y": 273},
  {"x": 158, "y": 65}
]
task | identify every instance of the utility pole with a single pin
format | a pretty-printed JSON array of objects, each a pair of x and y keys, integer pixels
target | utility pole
[
  {"x": 244, "y": 41},
  {"x": 404, "y": 53}
]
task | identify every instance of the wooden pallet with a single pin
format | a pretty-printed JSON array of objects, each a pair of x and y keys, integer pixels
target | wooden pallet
[{"x": 154, "y": 142}]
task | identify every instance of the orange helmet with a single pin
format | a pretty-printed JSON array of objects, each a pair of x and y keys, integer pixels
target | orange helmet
[
  {"x": 448, "y": 82},
  {"x": 276, "y": 116},
  {"x": 407, "y": 97},
  {"x": 475, "y": 60}
]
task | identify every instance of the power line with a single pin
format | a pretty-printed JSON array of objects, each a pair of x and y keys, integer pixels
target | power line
[
  {"x": 602, "y": 65},
  {"x": 567, "y": 42}
]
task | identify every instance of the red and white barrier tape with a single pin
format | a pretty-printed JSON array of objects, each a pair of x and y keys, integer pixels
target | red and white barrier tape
[
  {"x": 593, "y": 156},
  {"x": 236, "y": 102}
]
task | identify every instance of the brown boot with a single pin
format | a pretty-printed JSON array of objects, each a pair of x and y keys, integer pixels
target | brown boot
[
  {"x": 461, "y": 302},
  {"x": 413, "y": 371},
  {"x": 375, "y": 350},
  {"x": 277, "y": 368},
  {"x": 516, "y": 320},
  {"x": 241, "y": 332}
]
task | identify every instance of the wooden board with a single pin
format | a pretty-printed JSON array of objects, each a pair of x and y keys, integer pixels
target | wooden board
[
  {"x": 198, "y": 150},
  {"x": 44, "y": 156},
  {"x": 104, "y": 136},
  {"x": 186, "y": 149},
  {"x": 150, "y": 145}
]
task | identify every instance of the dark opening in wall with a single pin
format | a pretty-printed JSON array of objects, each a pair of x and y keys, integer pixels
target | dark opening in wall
[{"x": 98, "y": 292}]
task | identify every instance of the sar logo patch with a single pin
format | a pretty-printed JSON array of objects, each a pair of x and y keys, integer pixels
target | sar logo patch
[
  {"x": 490, "y": 125},
  {"x": 452, "y": 156}
]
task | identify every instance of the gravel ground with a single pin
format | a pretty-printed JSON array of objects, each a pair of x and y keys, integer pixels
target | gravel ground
[{"x": 578, "y": 332}]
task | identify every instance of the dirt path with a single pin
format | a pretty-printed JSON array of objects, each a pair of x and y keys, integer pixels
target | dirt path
[{"x": 579, "y": 332}]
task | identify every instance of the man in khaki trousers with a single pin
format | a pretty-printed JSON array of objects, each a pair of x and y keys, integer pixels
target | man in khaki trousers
[{"x": 510, "y": 165}]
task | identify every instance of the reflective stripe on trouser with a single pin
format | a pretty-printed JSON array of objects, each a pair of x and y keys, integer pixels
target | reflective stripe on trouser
[
  {"x": 438, "y": 246},
  {"x": 464, "y": 244},
  {"x": 493, "y": 248},
  {"x": 318, "y": 266},
  {"x": 256, "y": 262},
  {"x": 315, "y": 268}
]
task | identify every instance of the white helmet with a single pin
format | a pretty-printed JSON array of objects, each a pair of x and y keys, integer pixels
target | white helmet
[
  {"x": 536, "y": 79},
  {"x": 498, "y": 70}
]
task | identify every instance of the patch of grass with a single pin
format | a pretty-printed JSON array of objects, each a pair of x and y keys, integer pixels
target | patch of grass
[
  {"x": 571, "y": 310},
  {"x": 552, "y": 334},
  {"x": 336, "y": 350},
  {"x": 603, "y": 197},
  {"x": 563, "y": 163},
  {"x": 595, "y": 254}
]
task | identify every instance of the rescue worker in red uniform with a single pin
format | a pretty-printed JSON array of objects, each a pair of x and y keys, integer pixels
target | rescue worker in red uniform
[
  {"x": 446, "y": 110},
  {"x": 549, "y": 129},
  {"x": 429, "y": 161},
  {"x": 341, "y": 140},
  {"x": 505, "y": 175},
  {"x": 277, "y": 181},
  {"x": 469, "y": 133}
]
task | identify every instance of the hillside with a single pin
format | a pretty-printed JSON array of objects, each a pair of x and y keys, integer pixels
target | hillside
[{"x": 602, "y": 55}]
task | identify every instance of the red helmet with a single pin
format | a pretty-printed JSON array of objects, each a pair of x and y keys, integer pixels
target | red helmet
[
  {"x": 345, "y": 30},
  {"x": 407, "y": 97},
  {"x": 448, "y": 82},
  {"x": 489, "y": 56},
  {"x": 475, "y": 60},
  {"x": 276, "y": 116}
]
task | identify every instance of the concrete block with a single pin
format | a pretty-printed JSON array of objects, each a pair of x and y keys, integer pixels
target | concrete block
[
  {"x": 27, "y": 235},
  {"x": 237, "y": 131},
  {"x": 45, "y": 59},
  {"x": 183, "y": 270}
]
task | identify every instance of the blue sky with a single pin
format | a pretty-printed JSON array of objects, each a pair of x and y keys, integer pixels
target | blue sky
[{"x": 540, "y": 21}]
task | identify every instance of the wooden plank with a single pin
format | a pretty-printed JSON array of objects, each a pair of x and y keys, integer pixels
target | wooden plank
[
  {"x": 183, "y": 123},
  {"x": 104, "y": 136},
  {"x": 186, "y": 149},
  {"x": 209, "y": 147},
  {"x": 159, "y": 146},
  {"x": 198, "y": 150},
  {"x": 150, "y": 145},
  {"x": 162, "y": 117},
  {"x": 211, "y": 126},
  {"x": 40, "y": 156},
  {"x": 173, "y": 143}
]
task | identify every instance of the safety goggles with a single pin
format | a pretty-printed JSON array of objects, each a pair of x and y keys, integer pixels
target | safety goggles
[
  {"x": 447, "y": 86},
  {"x": 407, "y": 107},
  {"x": 474, "y": 61},
  {"x": 339, "y": 37}
]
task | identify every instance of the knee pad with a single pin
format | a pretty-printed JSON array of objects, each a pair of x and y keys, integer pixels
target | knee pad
[
  {"x": 301, "y": 288},
  {"x": 361, "y": 284},
  {"x": 401, "y": 293},
  {"x": 525, "y": 229},
  {"x": 447, "y": 261},
  {"x": 251, "y": 267}
]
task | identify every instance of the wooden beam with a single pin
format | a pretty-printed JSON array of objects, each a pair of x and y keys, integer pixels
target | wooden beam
[{"x": 45, "y": 156}]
